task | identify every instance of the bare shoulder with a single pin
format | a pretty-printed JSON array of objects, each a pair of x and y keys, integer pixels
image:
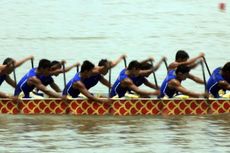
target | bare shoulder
[
  {"x": 174, "y": 83},
  {"x": 173, "y": 65}
]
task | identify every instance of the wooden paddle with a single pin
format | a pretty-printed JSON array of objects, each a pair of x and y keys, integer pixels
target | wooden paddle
[
  {"x": 154, "y": 75},
  {"x": 77, "y": 68},
  {"x": 15, "y": 80},
  {"x": 64, "y": 75},
  {"x": 32, "y": 62},
  {"x": 110, "y": 72},
  {"x": 125, "y": 62},
  {"x": 166, "y": 65},
  {"x": 205, "y": 62}
]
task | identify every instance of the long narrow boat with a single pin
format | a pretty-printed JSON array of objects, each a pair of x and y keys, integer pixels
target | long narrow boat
[{"x": 117, "y": 107}]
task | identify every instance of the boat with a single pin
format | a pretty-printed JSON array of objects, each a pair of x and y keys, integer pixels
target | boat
[{"x": 123, "y": 107}]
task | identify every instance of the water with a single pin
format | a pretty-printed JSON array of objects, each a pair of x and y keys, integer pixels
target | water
[{"x": 76, "y": 30}]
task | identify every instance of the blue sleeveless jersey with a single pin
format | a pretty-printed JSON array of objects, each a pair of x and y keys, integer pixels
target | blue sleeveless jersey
[
  {"x": 138, "y": 81},
  {"x": 165, "y": 90},
  {"x": 46, "y": 80},
  {"x": 22, "y": 85},
  {"x": 116, "y": 88},
  {"x": 212, "y": 84},
  {"x": 88, "y": 82},
  {"x": 2, "y": 78}
]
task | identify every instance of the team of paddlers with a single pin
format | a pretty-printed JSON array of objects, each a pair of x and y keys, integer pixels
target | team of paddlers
[{"x": 129, "y": 80}]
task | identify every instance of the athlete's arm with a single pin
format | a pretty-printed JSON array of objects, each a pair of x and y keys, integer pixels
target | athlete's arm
[
  {"x": 55, "y": 87},
  {"x": 225, "y": 85},
  {"x": 81, "y": 87},
  {"x": 114, "y": 63},
  {"x": 150, "y": 84},
  {"x": 20, "y": 62},
  {"x": 196, "y": 79},
  {"x": 176, "y": 84},
  {"x": 4, "y": 95},
  {"x": 133, "y": 87},
  {"x": 58, "y": 71},
  {"x": 105, "y": 82},
  {"x": 156, "y": 67},
  {"x": 147, "y": 60},
  {"x": 37, "y": 83},
  {"x": 10, "y": 81}
]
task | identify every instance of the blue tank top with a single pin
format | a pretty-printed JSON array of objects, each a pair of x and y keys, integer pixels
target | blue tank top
[
  {"x": 116, "y": 88},
  {"x": 2, "y": 78},
  {"x": 138, "y": 81},
  {"x": 46, "y": 80},
  {"x": 69, "y": 90},
  {"x": 91, "y": 81},
  {"x": 22, "y": 85},
  {"x": 165, "y": 90},
  {"x": 212, "y": 84}
]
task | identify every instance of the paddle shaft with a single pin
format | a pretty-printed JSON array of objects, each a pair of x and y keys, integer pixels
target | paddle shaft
[
  {"x": 166, "y": 65},
  {"x": 32, "y": 62},
  {"x": 110, "y": 72},
  {"x": 154, "y": 75},
  {"x": 64, "y": 76},
  {"x": 125, "y": 62},
  {"x": 205, "y": 62},
  {"x": 15, "y": 80},
  {"x": 204, "y": 78},
  {"x": 78, "y": 69}
]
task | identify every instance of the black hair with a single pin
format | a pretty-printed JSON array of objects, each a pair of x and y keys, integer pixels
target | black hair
[
  {"x": 181, "y": 54},
  {"x": 8, "y": 60},
  {"x": 103, "y": 62},
  {"x": 134, "y": 64},
  {"x": 146, "y": 66},
  {"x": 54, "y": 63},
  {"x": 44, "y": 63},
  {"x": 182, "y": 69},
  {"x": 87, "y": 66},
  {"x": 226, "y": 67}
]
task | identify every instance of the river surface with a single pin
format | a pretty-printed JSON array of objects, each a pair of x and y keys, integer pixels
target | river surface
[{"x": 76, "y": 30}]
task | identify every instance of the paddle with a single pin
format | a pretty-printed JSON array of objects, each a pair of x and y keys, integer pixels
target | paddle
[
  {"x": 154, "y": 75},
  {"x": 64, "y": 75},
  {"x": 77, "y": 68},
  {"x": 205, "y": 62},
  {"x": 166, "y": 65},
  {"x": 110, "y": 71},
  {"x": 32, "y": 62},
  {"x": 15, "y": 80},
  {"x": 125, "y": 62}
]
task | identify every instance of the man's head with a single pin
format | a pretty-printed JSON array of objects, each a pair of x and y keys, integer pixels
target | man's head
[
  {"x": 226, "y": 71},
  {"x": 44, "y": 67},
  {"x": 10, "y": 64},
  {"x": 182, "y": 72},
  {"x": 146, "y": 66},
  {"x": 55, "y": 65},
  {"x": 181, "y": 56},
  {"x": 134, "y": 67},
  {"x": 105, "y": 64},
  {"x": 87, "y": 68}
]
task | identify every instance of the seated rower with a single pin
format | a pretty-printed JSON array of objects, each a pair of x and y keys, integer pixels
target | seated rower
[
  {"x": 55, "y": 69},
  {"x": 80, "y": 83},
  {"x": 219, "y": 80},
  {"x": 100, "y": 71},
  {"x": 182, "y": 58},
  {"x": 172, "y": 83},
  {"x": 124, "y": 82},
  {"x": 32, "y": 80},
  {"x": 7, "y": 68}
]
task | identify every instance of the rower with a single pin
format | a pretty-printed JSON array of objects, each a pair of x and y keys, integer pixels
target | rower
[
  {"x": 80, "y": 83},
  {"x": 32, "y": 80},
  {"x": 7, "y": 68},
  {"x": 55, "y": 69},
  {"x": 124, "y": 82},
  {"x": 219, "y": 80},
  {"x": 182, "y": 58},
  {"x": 172, "y": 83}
]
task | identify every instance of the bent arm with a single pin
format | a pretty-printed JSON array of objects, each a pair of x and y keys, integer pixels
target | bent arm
[
  {"x": 10, "y": 81},
  {"x": 43, "y": 88},
  {"x": 114, "y": 63},
  {"x": 225, "y": 85},
  {"x": 156, "y": 67},
  {"x": 196, "y": 79},
  {"x": 55, "y": 87},
  {"x": 20, "y": 62},
  {"x": 105, "y": 82},
  {"x": 150, "y": 84},
  {"x": 67, "y": 69}
]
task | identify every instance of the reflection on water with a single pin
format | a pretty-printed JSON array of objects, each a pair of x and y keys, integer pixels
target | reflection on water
[{"x": 54, "y": 133}]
